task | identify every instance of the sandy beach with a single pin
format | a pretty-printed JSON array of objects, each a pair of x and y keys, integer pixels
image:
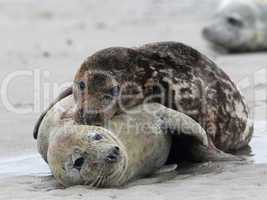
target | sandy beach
[{"x": 49, "y": 40}]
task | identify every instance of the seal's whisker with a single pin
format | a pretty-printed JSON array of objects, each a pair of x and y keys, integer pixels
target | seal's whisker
[
  {"x": 97, "y": 178},
  {"x": 116, "y": 172},
  {"x": 100, "y": 181},
  {"x": 124, "y": 168},
  {"x": 92, "y": 184},
  {"x": 104, "y": 182},
  {"x": 95, "y": 183}
]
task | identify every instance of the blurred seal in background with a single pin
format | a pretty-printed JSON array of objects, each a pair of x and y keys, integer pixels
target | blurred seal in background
[{"x": 239, "y": 26}]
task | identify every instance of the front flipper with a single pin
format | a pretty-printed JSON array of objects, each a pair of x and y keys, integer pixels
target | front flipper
[
  {"x": 65, "y": 93},
  {"x": 167, "y": 168},
  {"x": 190, "y": 141}
]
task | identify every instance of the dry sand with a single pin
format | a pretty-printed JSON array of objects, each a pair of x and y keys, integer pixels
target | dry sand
[
  {"x": 55, "y": 36},
  {"x": 210, "y": 181}
]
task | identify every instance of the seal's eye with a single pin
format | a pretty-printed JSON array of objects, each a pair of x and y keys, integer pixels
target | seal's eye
[
  {"x": 115, "y": 91},
  {"x": 234, "y": 21},
  {"x": 78, "y": 163},
  {"x": 97, "y": 136},
  {"x": 82, "y": 85}
]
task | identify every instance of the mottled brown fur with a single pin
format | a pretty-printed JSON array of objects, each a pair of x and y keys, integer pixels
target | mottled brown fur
[{"x": 193, "y": 85}]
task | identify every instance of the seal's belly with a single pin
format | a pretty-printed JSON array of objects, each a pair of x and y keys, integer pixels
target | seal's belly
[{"x": 147, "y": 145}]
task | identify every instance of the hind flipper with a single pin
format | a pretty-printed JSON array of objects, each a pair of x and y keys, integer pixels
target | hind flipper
[
  {"x": 190, "y": 139},
  {"x": 203, "y": 153}
]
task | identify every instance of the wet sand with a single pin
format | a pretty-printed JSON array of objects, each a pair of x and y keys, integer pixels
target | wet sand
[{"x": 56, "y": 36}]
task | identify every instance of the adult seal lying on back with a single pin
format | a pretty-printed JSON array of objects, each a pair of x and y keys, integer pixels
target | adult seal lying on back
[
  {"x": 132, "y": 146},
  {"x": 239, "y": 26},
  {"x": 115, "y": 79}
]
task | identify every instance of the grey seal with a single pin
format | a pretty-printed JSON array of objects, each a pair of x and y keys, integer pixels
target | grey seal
[
  {"x": 239, "y": 26},
  {"x": 131, "y": 146}
]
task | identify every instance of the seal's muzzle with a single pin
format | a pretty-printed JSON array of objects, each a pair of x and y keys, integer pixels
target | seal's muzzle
[{"x": 113, "y": 155}]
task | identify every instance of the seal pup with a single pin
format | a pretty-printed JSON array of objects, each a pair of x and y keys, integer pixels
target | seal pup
[
  {"x": 239, "y": 26},
  {"x": 113, "y": 80},
  {"x": 132, "y": 146}
]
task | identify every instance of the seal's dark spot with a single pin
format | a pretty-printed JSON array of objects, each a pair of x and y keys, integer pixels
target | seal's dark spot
[
  {"x": 186, "y": 90},
  {"x": 78, "y": 163},
  {"x": 98, "y": 82},
  {"x": 107, "y": 98}
]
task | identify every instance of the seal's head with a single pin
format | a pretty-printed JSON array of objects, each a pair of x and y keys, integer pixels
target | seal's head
[
  {"x": 101, "y": 82},
  {"x": 86, "y": 155},
  {"x": 235, "y": 27}
]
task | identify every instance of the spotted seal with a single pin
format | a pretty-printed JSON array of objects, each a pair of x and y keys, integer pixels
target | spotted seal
[
  {"x": 175, "y": 75},
  {"x": 131, "y": 146},
  {"x": 239, "y": 26}
]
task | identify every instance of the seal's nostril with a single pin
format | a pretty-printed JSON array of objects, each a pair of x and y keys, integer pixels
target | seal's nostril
[
  {"x": 111, "y": 158},
  {"x": 114, "y": 154},
  {"x": 116, "y": 150}
]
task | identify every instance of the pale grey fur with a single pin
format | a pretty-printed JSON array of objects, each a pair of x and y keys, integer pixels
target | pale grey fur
[{"x": 239, "y": 26}]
